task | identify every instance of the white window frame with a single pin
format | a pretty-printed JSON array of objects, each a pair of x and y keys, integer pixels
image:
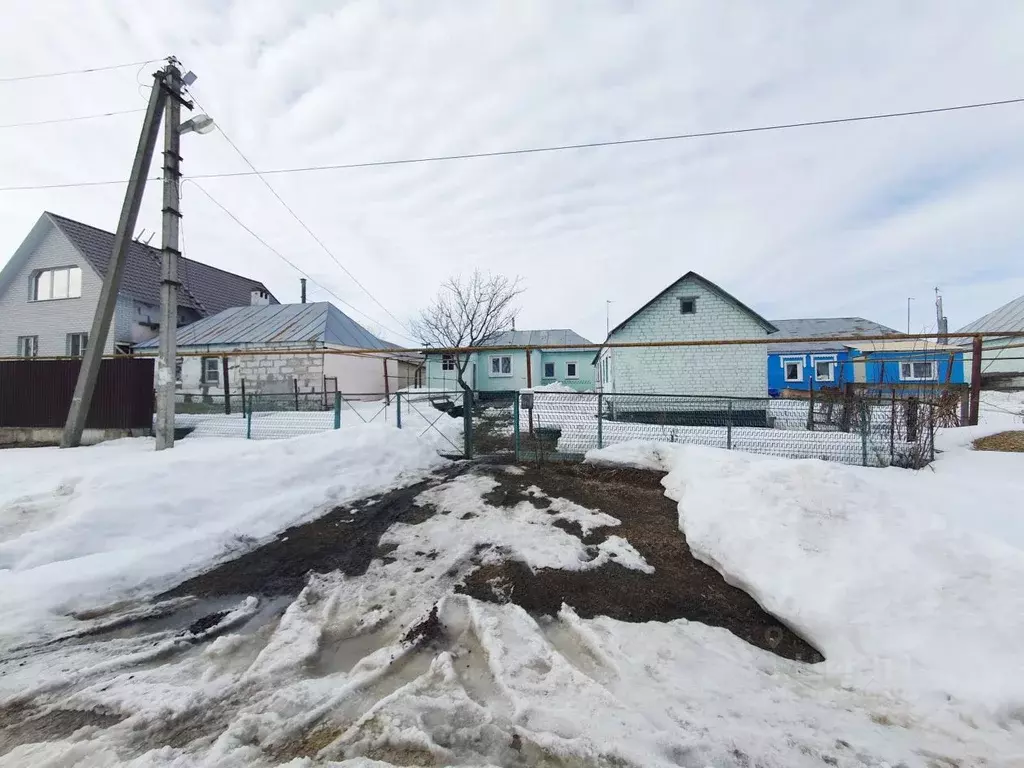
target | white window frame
[
  {"x": 204, "y": 375},
  {"x": 83, "y": 344},
  {"x": 554, "y": 372},
  {"x": 448, "y": 362},
  {"x": 693, "y": 300},
  {"x": 72, "y": 288},
  {"x": 500, "y": 374},
  {"x": 606, "y": 369},
  {"x": 933, "y": 367},
  {"x": 798, "y": 361},
  {"x": 831, "y": 360},
  {"x": 28, "y": 346},
  {"x": 574, "y": 363}
]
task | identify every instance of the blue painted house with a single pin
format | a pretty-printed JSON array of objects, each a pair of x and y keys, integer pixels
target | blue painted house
[
  {"x": 799, "y": 365},
  {"x": 520, "y": 367},
  {"x": 794, "y": 364}
]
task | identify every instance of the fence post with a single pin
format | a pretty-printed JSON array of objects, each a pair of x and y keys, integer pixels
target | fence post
[
  {"x": 467, "y": 423},
  {"x": 600, "y": 420},
  {"x": 892, "y": 429},
  {"x": 295, "y": 384},
  {"x": 248, "y": 419},
  {"x": 728, "y": 430},
  {"x": 337, "y": 410},
  {"x": 864, "y": 432},
  {"x": 227, "y": 386},
  {"x": 810, "y": 407},
  {"x": 931, "y": 430},
  {"x": 242, "y": 387},
  {"x": 515, "y": 423},
  {"x": 398, "y": 409}
]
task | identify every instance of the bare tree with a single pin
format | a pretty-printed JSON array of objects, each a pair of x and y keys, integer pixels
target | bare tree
[{"x": 468, "y": 313}]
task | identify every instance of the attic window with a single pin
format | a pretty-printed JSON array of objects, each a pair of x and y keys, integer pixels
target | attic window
[
  {"x": 688, "y": 305},
  {"x": 62, "y": 283}
]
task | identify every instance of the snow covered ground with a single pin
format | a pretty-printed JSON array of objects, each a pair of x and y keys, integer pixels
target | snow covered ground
[
  {"x": 85, "y": 526},
  {"x": 912, "y": 583}
]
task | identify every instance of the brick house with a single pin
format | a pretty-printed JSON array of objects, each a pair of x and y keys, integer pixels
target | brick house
[
  {"x": 691, "y": 308},
  {"x": 297, "y": 341}
]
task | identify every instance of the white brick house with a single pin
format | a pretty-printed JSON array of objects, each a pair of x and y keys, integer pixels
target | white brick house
[
  {"x": 692, "y": 308},
  {"x": 50, "y": 287}
]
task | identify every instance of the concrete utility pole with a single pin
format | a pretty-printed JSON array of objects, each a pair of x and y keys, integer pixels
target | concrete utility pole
[
  {"x": 97, "y": 342},
  {"x": 168, "y": 353},
  {"x": 909, "y": 299}
]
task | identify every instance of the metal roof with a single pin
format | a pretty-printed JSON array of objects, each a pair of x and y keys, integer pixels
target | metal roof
[
  {"x": 807, "y": 327},
  {"x": 206, "y": 289},
  {"x": 536, "y": 338},
  {"x": 318, "y": 324},
  {"x": 1009, "y": 317}
]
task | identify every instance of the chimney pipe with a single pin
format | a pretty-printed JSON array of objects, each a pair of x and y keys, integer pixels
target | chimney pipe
[{"x": 302, "y": 281}]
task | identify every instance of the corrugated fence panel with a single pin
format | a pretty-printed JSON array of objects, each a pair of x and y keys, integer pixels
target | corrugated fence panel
[{"x": 37, "y": 393}]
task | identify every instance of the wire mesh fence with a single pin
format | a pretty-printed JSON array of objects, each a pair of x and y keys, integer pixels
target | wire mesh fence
[
  {"x": 847, "y": 426},
  {"x": 853, "y": 429},
  {"x": 435, "y": 416}
]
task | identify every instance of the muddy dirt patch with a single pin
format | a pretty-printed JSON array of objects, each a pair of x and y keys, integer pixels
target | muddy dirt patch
[
  {"x": 681, "y": 586},
  {"x": 26, "y": 725},
  {"x": 345, "y": 539}
]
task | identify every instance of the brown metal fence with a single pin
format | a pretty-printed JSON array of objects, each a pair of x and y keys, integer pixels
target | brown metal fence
[{"x": 37, "y": 393}]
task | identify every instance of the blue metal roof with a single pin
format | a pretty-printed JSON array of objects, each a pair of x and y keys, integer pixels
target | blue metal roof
[{"x": 317, "y": 324}]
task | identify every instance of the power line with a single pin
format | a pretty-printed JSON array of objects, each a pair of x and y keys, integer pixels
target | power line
[
  {"x": 291, "y": 263},
  {"x": 303, "y": 224},
  {"x": 75, "y": 71},
  {"x": 72, "y": 119},
  {"x": 559, "y": 147}
]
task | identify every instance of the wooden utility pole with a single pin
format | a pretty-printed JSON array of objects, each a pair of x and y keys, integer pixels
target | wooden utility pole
[
  {"x": 168, "y": 352},
  {"x": 97, "y": 341},
  {"x": 976, "y": 349}
]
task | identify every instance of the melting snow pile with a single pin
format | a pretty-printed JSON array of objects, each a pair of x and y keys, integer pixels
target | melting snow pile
[
  {"x": 910, "y": 583},
  {"x": 83, "y": 526}
]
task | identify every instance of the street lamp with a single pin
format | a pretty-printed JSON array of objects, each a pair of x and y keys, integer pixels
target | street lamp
[{"x": 199, "y": 124}]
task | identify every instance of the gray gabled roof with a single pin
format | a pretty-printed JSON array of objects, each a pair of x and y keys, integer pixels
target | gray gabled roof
[
  {"x": 537, "y": 338},
  {"x": 206, "y": 289},
  {"x": 310, "y": 325},
  {"x": 1009, "y": 317},
  {"x": 709, "y": 286},
  {"x": 807, "y": 327}
]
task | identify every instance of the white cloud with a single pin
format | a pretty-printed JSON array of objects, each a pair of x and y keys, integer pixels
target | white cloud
[{"x": 846, "y": 219}]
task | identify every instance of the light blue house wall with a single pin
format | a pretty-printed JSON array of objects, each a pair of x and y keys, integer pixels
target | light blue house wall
[{"x": 507, "y": 370}]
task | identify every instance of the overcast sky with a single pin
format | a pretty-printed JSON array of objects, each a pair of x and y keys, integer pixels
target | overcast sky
[{"x": 815, "y": 222}]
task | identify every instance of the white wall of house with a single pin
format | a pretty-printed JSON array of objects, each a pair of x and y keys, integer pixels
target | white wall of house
[
  {"x": 997, "y": 356},
  {"x": 364, "y": 374},
  {"x": 51, "y": 321},
  {"x": 263, "y": 374},
  {"x": 736, "y": 371}
]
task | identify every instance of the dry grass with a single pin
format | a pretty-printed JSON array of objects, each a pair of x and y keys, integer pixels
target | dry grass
[{"x": 1012, "y": 441}]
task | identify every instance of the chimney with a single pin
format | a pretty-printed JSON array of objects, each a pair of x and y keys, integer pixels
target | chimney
[
  {"x": 302, "y": 281},
  {"x": 259, "y": 298},
  {"x": 513, "y": 322}
]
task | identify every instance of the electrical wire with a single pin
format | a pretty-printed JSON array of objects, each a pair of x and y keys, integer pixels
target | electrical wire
[
  {"x": 75, "y": 71},
  {"x": 72, "y": 119},
  {"x": 303, "y": 224},
  {"x": 292, "y": 264},
  {"x": 555, "y": 148}
]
